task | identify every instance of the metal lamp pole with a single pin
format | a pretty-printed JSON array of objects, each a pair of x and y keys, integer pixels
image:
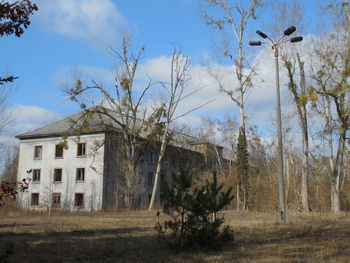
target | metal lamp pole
[{"x": 276, "y": 46}]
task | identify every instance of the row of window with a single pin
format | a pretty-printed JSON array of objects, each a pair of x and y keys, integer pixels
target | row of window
[
  {"x": 56, "y": 199},
  {"x": 81, "y": 150},
  {"x": 57, "y": 175},
  {"x": 152, "y": 158}
]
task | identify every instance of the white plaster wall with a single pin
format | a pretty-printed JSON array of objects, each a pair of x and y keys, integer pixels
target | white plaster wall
[{"x": 92, "y": 187}]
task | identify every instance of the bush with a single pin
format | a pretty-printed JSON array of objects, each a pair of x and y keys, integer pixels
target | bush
[{"x": 194, "y": 223}]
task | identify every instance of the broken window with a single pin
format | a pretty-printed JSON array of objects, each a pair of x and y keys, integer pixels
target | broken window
[
  {"x": 79, "y": 200},
  {"x": 81, "y": 151},
  {"x": 150, "y": 178},
  {"x": 35, "y": 199},
  {"x": 57, "y": 175},
  {"x": 80, "y": 174},
  {"x": 36, "y": 175},
  {"x": 59, "y": 151},
  {"x": 56, "y": 199},
  {"x": 38, "y": 152}
]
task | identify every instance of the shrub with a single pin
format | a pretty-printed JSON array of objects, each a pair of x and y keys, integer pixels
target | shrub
[{"x": 194, "y": 223}]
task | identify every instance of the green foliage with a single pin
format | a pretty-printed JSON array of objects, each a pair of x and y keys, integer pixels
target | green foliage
[{"x": 193, "y": 210}]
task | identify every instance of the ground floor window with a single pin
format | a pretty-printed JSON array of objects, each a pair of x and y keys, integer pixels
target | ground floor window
[
  {"x": 56, "y": 199},
  {"x": 35, "y": 199},
  {"x": 79, "y": 200}
]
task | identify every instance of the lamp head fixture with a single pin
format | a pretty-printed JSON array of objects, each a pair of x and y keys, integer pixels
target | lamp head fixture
[{"x": 290, "y": 30}]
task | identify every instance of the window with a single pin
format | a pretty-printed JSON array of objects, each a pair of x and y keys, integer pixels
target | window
[
  {"x": 38, "y": 152},
  {"x": 35, "y": 199},
  {"x": 56, "y": 199},
  {"x": 81, "y": 151},
  {"x": 151, "y": 157},
  {"x": 80, "y": 174},
  {"x": 57, "y": 175},
  {"x": 79, "y": 200},
  {"x": 150, "y": 178},
  {"x": 59, "y": 151},
  {"x": 36, "y": 175},
  {"x": 162, "y": 181}
]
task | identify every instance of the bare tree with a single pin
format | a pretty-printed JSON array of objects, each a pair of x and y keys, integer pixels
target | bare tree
[
  {"x": 177, "y": 91},
  {"x": 123, "y": 115},
  {"x": 235, "y": 16},
  {"x": 331, "y": 68},
  {"x": 9, "y": 173}
]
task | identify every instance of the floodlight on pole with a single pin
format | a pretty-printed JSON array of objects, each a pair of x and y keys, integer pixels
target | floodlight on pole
[
  {"x": 275, "y": 45},
  {"x": 290, "y": 30},
  {"x": 263, "y": 35},
  {"x": 255, "y": 43},
  {"x": 296, "y": 39}
]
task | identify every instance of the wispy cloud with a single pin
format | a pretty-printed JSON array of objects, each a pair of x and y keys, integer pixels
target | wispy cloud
[
  {"x": 27, "y": 118},
  {"x": 97, "y": 21}
]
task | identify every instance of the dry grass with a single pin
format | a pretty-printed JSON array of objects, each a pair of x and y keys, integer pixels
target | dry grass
[{"x": 130, "y": 237}]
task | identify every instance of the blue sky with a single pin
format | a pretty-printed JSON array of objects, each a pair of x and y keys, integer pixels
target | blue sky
[{"x": 68, "y": 37}]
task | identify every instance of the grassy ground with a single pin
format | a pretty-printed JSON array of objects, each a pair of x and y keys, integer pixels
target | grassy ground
[{"x": 130, "y": 237}]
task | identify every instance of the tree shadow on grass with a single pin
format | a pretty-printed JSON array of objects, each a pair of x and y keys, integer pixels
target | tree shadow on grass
[
  {"x": 106, "y": 245},
  {"x": 305, "y": 244}
]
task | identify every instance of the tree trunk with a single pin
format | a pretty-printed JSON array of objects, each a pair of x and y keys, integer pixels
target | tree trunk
[
  {"x": 338, "y": 165},
  {"x": 159, "y": 166},
  {"x": 305, "y": 141}
]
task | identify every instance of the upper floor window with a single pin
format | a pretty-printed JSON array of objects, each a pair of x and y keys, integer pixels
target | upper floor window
[
  {"x": 36, "y": 175},
  {"x": 151, "y": 157},
  {"x": 80, "y": 174},
  {"x": 38, "y": 150},
  {"x": 59, "y": 151},
  {"x": 57, "y": 175},
  {"x": 35, "y": 199},
  {"x": 81, "y": 150}
]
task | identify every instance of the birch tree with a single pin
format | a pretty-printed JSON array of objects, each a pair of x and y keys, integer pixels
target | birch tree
[
  {"x": 235, "y": 16},
  {"x": 177, "y": 90}
]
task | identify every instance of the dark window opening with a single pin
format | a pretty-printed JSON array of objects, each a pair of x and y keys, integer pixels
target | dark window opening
[
  {"x": 59, "y": 151},
  {"x": 36, "y": 175},
  {"x": 81, "y": 151},
  {"x": 79, "y": 200},
  {"x": 150, "y": 178},
  {"x": 35, "y": 199},
  {"x": 57, "y": 175},
  {"x": 80, "y": 174},
  {"x": 151, "y": 157},
  {"x": 56, "y": 199},
  {"x": 162, "y": 181}
]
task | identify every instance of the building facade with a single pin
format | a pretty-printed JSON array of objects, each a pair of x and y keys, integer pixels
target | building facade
[{"x": 81, "y": 173}]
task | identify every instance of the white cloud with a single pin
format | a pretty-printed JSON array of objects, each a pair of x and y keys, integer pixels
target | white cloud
[
  {"x": 27, "y": 118},
  {"x": 97, "y": 21}
]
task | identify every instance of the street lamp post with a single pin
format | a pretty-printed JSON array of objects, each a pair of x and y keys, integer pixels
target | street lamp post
[{"x": 276, "y": 45}]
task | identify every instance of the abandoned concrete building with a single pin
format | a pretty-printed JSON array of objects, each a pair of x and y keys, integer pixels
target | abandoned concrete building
[{"x": 78, "y": 172}]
